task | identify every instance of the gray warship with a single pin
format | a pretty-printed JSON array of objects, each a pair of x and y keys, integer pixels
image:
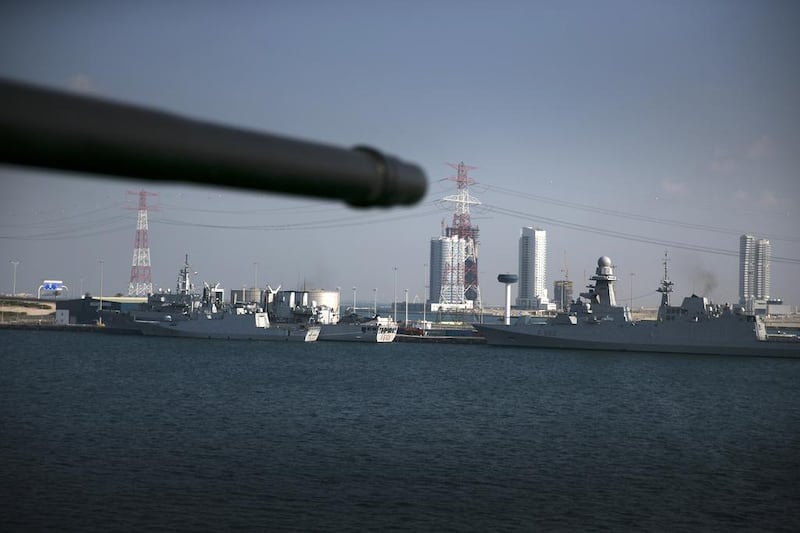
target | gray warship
[
  {"x": 596, "y": 322},
  {"x": 187, "y": 313}
]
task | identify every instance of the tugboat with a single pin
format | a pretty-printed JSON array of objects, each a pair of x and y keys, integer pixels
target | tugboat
[{"x": 598, "y": 323}]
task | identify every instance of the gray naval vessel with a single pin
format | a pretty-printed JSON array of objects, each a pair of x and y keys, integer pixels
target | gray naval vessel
[
  {"x": 186, "y": 313},
  {"x": 598, "y": 323}
]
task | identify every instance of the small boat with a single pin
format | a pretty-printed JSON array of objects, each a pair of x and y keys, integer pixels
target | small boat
[{"x": 358, "y": 329}]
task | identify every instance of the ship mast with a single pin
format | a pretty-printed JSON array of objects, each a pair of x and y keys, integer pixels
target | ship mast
[
  {"x": 184, "y": 283},
  {"x": 665, "y": 289}
]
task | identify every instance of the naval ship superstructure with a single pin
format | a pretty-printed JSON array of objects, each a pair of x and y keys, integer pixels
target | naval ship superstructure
[
  {"x": 595, "y": 322},
  {"x": 321, "y": 308}
]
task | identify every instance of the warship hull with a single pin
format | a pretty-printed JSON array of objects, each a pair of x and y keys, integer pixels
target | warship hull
[
  {"x": 597, "y": 323},
  {"x": 204, "y": 316},
  {"x": 638, "y": 337},
  {"x": 222, "y": 326},
  {"x": 229, "y": 327}
]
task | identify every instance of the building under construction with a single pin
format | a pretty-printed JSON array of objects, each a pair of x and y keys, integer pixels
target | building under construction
[
  {"x": 562, "y": 294},
  {"x": 454, "y": 254}
]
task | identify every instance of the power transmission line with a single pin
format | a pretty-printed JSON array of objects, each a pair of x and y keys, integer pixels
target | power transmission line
[
  {"x": 629, "y": 216},
  {"x": 626, "y": 236}
]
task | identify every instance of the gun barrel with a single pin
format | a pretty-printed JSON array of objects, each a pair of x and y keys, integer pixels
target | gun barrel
[{"x": 53, "y": 129}]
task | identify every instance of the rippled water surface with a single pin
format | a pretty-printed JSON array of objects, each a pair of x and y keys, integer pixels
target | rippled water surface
[{"x": 102, "y": 432}]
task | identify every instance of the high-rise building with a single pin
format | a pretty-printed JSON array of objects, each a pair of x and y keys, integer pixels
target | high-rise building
[
  {"x": 532, "y": 288},
  {"x": 761, "y": 281},
  {"x": 746, "y": 266},
  {"x": 754, "y": 259},
  {"x": 447, "y": 273}
]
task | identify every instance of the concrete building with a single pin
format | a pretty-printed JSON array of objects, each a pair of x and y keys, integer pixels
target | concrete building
[{"x": 532, "y": 288}]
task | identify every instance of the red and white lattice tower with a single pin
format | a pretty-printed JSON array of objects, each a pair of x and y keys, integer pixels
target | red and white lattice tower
[
  {"x": 462, "y": 227},
  {"x": 141, "y": 281}
]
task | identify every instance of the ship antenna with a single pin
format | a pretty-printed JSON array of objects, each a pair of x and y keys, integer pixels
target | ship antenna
[{"x": 665, "y": 289}]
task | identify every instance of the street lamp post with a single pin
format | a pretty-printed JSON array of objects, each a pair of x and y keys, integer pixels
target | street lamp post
[
  {"x": 101, "y": 292},
  {"x": 394, "y": 298},
  {"x": 14, "y": 283},
  {"x": 256, "y": 291},
  {"x": 630, "y": 305},
  {"x": 424, "y": 293}
]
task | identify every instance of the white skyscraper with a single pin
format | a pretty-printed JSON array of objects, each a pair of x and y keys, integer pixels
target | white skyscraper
[
  {"x": 754, "y": 258},
  {"x": 746, "y": 267},
  {"x": 532, "y": 291},
  {"x": 761, "y": 281}
]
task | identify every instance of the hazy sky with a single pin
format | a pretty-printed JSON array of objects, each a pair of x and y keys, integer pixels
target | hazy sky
[{"x": 623, "y": 128}]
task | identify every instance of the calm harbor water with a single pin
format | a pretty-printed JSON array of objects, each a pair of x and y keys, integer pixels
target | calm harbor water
[{"x": 102, "y": 432}]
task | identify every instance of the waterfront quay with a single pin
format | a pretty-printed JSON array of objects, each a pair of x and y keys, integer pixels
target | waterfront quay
[{"x": 26, "y": 312}]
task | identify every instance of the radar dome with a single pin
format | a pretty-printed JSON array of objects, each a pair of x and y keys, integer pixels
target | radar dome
[{"x": 604, "y": 261}]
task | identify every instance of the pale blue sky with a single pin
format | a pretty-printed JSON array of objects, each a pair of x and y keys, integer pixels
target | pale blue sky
[{"x": 683, "y": 112}]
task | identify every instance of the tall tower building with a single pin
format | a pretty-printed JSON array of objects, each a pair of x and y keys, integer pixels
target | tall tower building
[
  {"x": 532, "y": 291},
  {"x": 141, "y": 283},
  {"x": 754, "y": 259},
  {"x": 762, "y": 258},
  {"x": 746, "y": 267},
  {"x": 447, "y": 272}
]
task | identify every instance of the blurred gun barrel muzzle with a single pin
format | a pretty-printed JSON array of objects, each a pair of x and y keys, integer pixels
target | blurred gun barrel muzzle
[{"x": 52, "y": 129}]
